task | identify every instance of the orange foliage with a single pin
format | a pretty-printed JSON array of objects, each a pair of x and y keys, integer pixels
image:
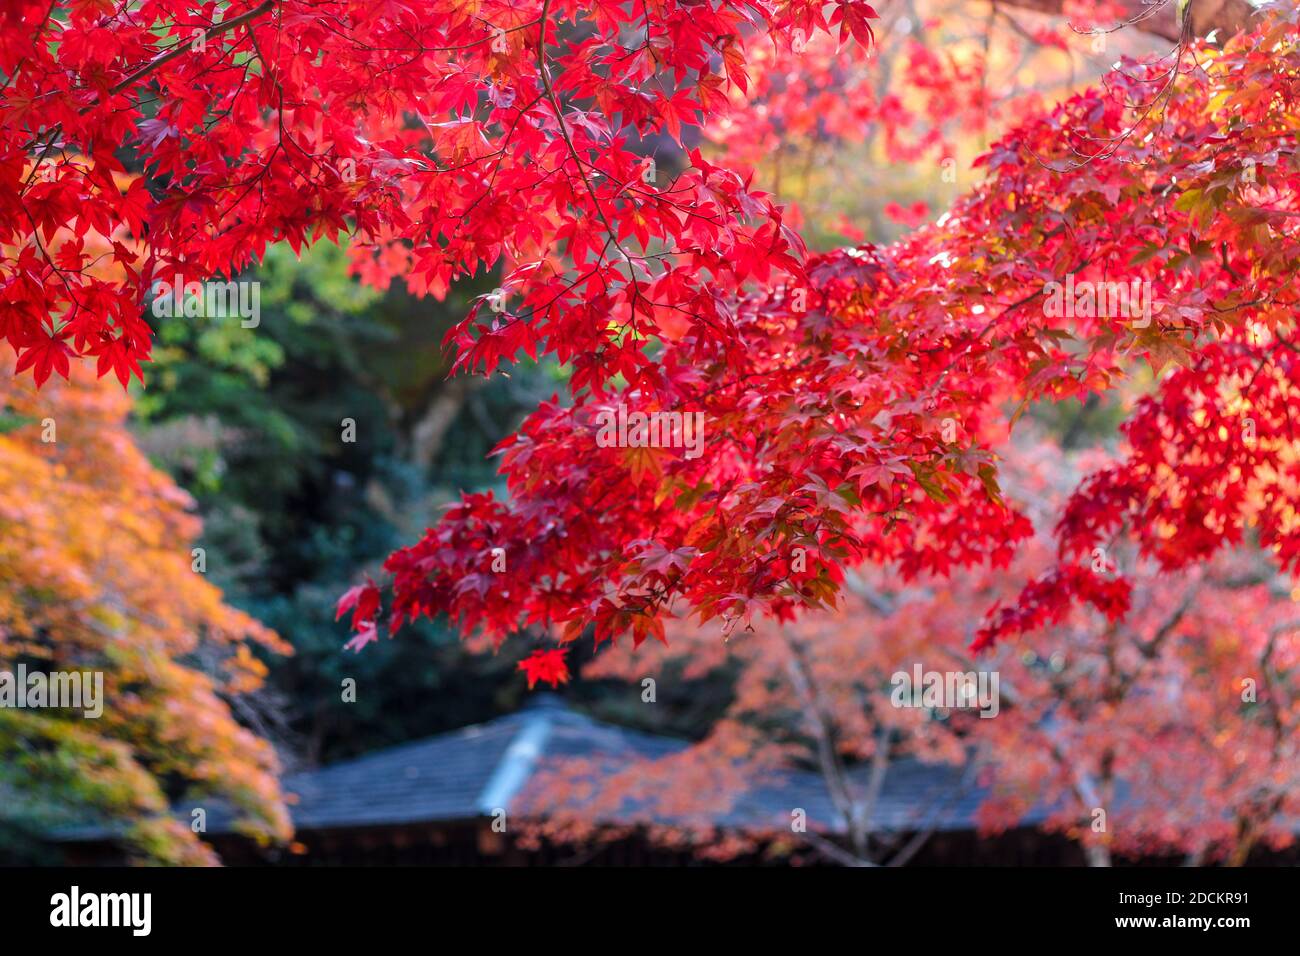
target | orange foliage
[{"x": 96, "y": 575}]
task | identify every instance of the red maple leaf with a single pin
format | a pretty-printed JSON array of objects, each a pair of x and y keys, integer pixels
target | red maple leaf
[
  {"x": 44, "y": 354},
  {"x": 546, "y": 666}
]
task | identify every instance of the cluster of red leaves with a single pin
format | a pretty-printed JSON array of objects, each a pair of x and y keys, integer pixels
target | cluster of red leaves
[
  {"x": 813, "y": 89},
  {"x": 826, "y": 426},
  {"x": 1182, "y": 722},
  {"x": 545, "y": 665},
  {"x": 446, "y": 137},
  {"x": 1212, "y": 455}
]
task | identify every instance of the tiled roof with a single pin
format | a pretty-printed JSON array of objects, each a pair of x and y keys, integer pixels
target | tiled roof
[
  {"x": 914, "y": 796},
  {"x": 462, "y": 774},
  {"x": 472, "y": 772}
]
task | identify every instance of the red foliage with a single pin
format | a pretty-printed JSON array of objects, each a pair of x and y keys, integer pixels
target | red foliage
[
  {"x": 866, "y": 426},
  {"x": 547, "y": 665},
  {"x": 1177, "y": 729},
  {"x": 853, "y": 403}
]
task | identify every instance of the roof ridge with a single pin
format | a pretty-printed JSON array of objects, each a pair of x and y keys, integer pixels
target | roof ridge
[
  {"x": 495, "y": 723},
  {"x": 517, "y": 763}
]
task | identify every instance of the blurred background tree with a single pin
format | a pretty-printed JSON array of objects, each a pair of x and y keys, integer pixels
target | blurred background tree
[{"x": 97, "y": 575}]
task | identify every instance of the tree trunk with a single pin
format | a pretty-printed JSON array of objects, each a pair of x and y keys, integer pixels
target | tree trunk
[{"x": 429, "y": 430}]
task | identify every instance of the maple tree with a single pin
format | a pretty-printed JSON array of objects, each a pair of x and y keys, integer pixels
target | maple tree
[
  {"x": 96, "y": 576},
  {"x": 1172, "y": 733},
  {"x": 828, "y": 424},
  {"x": 855, "y": 401}
]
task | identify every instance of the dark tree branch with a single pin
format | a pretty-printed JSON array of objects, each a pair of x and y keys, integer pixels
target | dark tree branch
[
  {"x": 1227, "y": 16},
  {"x": 213, "y": 31}
]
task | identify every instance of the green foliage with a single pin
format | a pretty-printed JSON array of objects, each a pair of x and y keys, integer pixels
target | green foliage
[
  {"x": 251, "y": 421},
  {"x": 1079, "y": 424}
]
